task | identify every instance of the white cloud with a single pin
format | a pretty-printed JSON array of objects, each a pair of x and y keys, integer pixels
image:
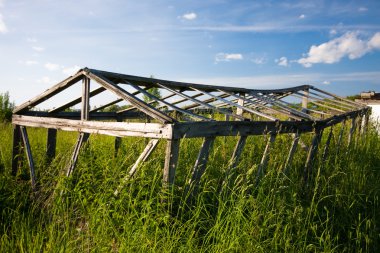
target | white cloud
[
  {"x": 326, "y": 82},
  {"x": 3, "y": 27},
  {"x": 302, "y": 16},
  {"x": 259, "y": 60},
  {"x": 348, "y": 45},
  {"x": 70, "y": 70},
  {"x": 283, "y": 61},
  {"x": 189, "y": 16},
  {"x": 374, "y": 42},
  {"x": 228, "y": 57},
  {"x": 31, "y": 40},
  {"x": 29, "y": 62},
  {"x": 363, "y": 9},
  {"x": 46, "y": 80},
  {"x": 52, "y": 66},
  {"x": 38, "y": 49}
]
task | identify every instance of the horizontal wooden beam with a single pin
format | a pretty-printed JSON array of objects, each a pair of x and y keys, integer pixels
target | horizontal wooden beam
[
  {"x": 93, "y": 115},
  {"x": 120, "y": 129}
]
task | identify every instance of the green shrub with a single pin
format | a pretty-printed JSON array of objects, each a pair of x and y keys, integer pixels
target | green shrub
[{"x": 6, "y": 107}]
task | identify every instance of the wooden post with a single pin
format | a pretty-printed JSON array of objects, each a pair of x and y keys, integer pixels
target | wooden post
[
  {"x": 85, "y": 112},
  {"x": 150, "y": 147},
  {"x": 293, "y": 148},
  {"x": 327, "y": 145},
  {"x": 264, "y": 160},
  {"x": 117, "y": 139},
  {"x": 311, "y": 154},
  {"x": 305, "y": 100},
  {"x": 352, "y": 131},
  {"x": 199, "y": 168},
  {"x": 16, "y": 151},
  {"x": 340, "y": 137},
  {"x": 29, "y": 156},
  {"x": 233, "y": 163},
  {"x": 51, "y": 144},
  {"x": 239, "y": 110},
  {"x": 171, "y": 159}
]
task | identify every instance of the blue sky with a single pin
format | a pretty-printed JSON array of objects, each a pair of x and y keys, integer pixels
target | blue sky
[{"x": 334, "y": 45}]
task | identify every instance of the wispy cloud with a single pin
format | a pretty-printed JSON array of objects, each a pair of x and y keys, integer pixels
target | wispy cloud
[
  {"x": 31, "y": 40},
  {"x": 363, "y": 9},
  {"x": 189, "y": 16},
  {"x": 348, "y": 45},
  {"x": 38, "y": 49},
  {"x": 3, "y": 27},
  {"x": 283, "y": 61},
  {"x": 52, "y": 66},
  {"x": 46, "y": 80},
  {"x": 228, "y": 57},
  {"x": 70, "y": 70},
  {"x": 302, "y": 16},
  {"x": 29, "y": 62}
]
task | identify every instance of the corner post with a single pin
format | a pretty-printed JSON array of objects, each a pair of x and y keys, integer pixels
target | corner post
[
  {"x": 16, "y": 151},
  {"x": 51, "y": 144}
]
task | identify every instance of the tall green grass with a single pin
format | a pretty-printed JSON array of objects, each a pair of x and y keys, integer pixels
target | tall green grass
[{"x": 338, "y": 211}]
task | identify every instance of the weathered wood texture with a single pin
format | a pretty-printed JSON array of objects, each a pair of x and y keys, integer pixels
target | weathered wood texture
[
  {"x": 82, "y": 138},
  {"x": 171, "y": 159},
  {"x": 28, "y": 152},
  {"x": 51, "y": 144}
]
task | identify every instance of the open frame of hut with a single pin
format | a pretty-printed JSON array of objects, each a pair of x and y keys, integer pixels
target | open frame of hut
[{"x": 183, "y": 110}]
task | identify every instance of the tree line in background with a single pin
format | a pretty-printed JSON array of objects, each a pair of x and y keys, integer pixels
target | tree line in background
[{"x": 6, "y": 107}]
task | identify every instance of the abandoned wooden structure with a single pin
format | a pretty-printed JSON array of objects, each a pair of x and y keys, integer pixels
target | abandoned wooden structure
[{"x": 184, "y": 110}]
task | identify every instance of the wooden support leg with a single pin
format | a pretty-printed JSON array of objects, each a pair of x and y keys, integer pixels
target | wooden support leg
[
  {"x": 199, "y": 168},
  {"x": 293, "y": 148},
  {"x": 340, "y": 137},
  {"x": 311, "y": 154},
  {"x": 171, "y": 159},
  {"x": 352, "y": 131},
  {"x": 327, "y": 145},
  {"x": 264, "y": 160},
  {"x": 16, "y": 151},
  {"x": 150, "y": 147},
  {"x": 83, "y": 137},
  {"x": 117, "y": 145},
  {"x": 51, "y": 144},
  {"x": 29, "y": 156},
  {"x": 234, "y": 161}
]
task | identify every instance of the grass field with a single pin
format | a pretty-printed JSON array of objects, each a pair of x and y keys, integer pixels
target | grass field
[{"x": 338, "y": 211}]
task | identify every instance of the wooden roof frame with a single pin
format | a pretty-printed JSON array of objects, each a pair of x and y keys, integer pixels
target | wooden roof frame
[{"x": 254, "y": 112}]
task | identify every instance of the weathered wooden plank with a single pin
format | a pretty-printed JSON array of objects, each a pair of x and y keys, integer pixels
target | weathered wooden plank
[
  {"x": 298, "y": 95},
  {"x": 82, "y": 138},
  {"x": 76, "y": 101},
  {"x": 305, "y": 100},
  {"x": 264, "y": 159},
  {"x": 171, "y": 160},
  {"x": 93, "y": 115},
  {"x": 150, "y": 102},
  {"x": 203, "y": 104},
  {"x": 184, "y": 86},
  {"x": 51, "y": 144},
  {"x": 29, "y": 156},
  {"x": 85, "y": 111},
  {"x": 16, "y": 150},
  {"x": 338, "y": 101},
  {"x": 199, "y": 168},
  {"x": 181, "y": 100},
  {"x": 340, "y": 137},
  {"x": 150, "y": 147},
  {"x": 311, "y": 154},
  {"x": 106, "y": 105},
  {"x": 150, "y": 130},
  {"x": 337, "y": 97},
  {"x": 120, "y": 92},
  {"x": 195, "y": 116},
  {"x": 292, "y": 151},
  {"x": 49, "y": 93},
  {"x": 331, "y": 102},
  {"x": 209, "y": 100}
]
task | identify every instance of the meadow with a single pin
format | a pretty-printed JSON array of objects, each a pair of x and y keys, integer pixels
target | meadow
[{"x": 337, "y": 211}]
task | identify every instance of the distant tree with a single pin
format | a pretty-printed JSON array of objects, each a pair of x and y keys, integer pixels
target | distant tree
[
  {"x": 155, "y": 92},
  {"x": 6, "y": 107}
]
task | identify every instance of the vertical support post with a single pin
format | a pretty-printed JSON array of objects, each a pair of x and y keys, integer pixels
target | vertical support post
[
  {"x": 16, "y": 151},
  {"x": 171, "y": 159},
  {"x": 233, "y": 163},
  {"x": 327, "y": 145},
  {"x": 117, "y": 139},
  {"x": 85, "y": 112},
  {"x": 199, "y": 168},
  {"x": 311, "y": 154},
  {"x": 352, "y": 131},
  {"x": 305, "y": 100},
  {"x": 239, "y": 111},
  {"x": 51, "y": 144},
  {"x": 29, "y": 156},
  {"x": 293, "y": 148},
  {"x": 264, "y": 160}
]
